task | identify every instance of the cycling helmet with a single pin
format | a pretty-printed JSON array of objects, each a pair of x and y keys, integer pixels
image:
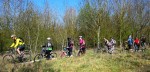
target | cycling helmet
[
  {"x": 80, "y": 36},
  {"x": 13, "y": 35},
  {"x": 48, "y": 38},
  {"x": 130, "y": 36}
]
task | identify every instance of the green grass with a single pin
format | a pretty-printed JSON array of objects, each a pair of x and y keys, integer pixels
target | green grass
[{"x": 92, "y": 62}]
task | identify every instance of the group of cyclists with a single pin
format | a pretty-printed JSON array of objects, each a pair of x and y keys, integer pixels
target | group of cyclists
[
  {"x": 19, "y": 45},
  {"x": 135, "y": 44},
  {"x": 131, "y": 44}
]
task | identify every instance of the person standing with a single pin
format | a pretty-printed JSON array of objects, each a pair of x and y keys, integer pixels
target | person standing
[
  {"x": 82, "y": 44},
  {"x": 143, "y": 42},
  {"x": 69, "y": 46},
  {"x": 136, "y": 44},
  {"x": 130, "y": 42}
]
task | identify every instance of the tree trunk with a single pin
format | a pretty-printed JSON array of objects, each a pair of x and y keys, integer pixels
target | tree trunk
[
  {"x": 37, "y": 38},
  {"x": 98, "y": 34}
]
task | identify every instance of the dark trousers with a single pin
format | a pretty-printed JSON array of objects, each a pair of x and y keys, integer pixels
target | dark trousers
[
  {"x": 69, "y": 51},
  {"x": 83, "y": 50},
  {"x": 136, "y": 47},
  {"x": 129, "y": 46},
  {"x": 47, "y": 53}
]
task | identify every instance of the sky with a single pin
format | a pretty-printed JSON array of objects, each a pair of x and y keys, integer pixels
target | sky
[{"x": 58, "y": 6}]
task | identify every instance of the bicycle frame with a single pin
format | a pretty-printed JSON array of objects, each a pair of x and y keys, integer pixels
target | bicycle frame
[
  {"x": 64, "y": 52},
  {"x": 80, "y": 52},
  {"x": 43, "y": 52}
]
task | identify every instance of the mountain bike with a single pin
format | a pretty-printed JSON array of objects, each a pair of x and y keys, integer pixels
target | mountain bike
[
  {"x": 64, "y": 52},
  {"x": 143, "y": 46},
  {"x": 81, "y": 51},
  {"x": 42, "y": 55},
  {"x": 11, "y": 57}
]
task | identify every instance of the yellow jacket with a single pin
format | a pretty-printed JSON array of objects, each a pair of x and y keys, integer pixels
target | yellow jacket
[{"x": 17, "y": 43}]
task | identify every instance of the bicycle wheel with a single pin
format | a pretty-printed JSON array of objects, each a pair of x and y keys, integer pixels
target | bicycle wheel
[
  {"x": 79, "y": 53},
  {"x": 53, "y": 55},
  {"x": 38, "y": 57},
  {"x": 27, "y": 56},
  {"x": 8, "y": 60}
]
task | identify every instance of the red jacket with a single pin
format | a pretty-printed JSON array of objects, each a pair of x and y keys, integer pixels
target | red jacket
[{"x": 137, "y": 41}]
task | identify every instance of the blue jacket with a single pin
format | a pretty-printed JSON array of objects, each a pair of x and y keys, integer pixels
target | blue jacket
[{"x": 130, "y": 41}]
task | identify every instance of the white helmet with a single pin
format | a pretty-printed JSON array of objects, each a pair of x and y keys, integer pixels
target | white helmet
[
  {"x": 80, "y": 36},
  {"x": 48, "y": 38},
  {"x": 13, "y": 35}
]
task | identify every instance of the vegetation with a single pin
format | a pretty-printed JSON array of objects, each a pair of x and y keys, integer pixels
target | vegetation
[
  {"x": 116, "y": 19},
  {"x": 119, "y": 62}
]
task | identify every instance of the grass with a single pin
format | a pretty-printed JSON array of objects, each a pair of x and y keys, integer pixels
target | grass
[{"x": 92, "y": 62}]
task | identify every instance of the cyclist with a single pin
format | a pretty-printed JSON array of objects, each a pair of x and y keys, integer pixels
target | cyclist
[
  {"x": 18, "y": 43},
  {"x": 136, "y": 44},
  {"x": 82, "y": 44},
  {"x": 143, "y": 41},
  {"x": 69, "y": 46},
  {"x": 130, "y": 42},
  {"x": 113, "y": 43},
  {"x": 47, "y": 48},
  {"x": 108, "y": 45}
]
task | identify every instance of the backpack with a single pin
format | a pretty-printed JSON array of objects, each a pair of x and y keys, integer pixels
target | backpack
[
  {"x": 21, "y": 39},
  {"x": 83, "y": 42},
  {"x": 114, "y": 41}
]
